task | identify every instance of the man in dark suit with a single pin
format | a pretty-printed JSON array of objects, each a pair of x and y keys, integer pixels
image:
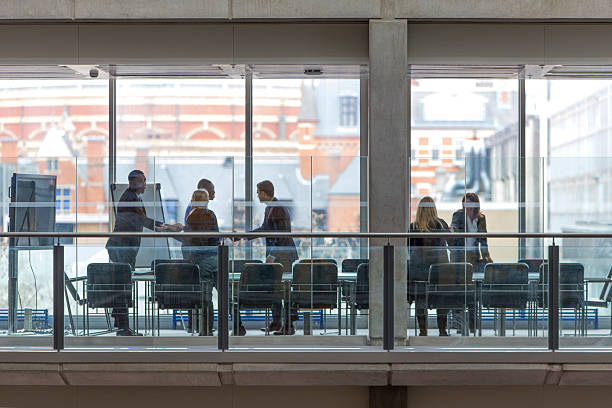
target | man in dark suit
[
  {"x": 471, "y": 250},
  {"x": 278, "y": 250},
  {"x": 131, "y": 217}
]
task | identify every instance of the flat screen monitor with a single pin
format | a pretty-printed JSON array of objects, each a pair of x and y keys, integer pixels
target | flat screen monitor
[{"x": 32, "y": 208}]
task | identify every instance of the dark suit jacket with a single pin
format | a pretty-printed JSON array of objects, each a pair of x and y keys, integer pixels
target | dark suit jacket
[
  {"x": 131, "y": 217},
  {"x": 482, "y": 249},
  {"x": 278, "y": 219},
  {"x": 425, "y": 252}
]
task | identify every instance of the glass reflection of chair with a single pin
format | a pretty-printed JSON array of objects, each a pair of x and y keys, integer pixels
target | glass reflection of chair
[
  {"x": 315, "y": 286},
  {"x": 605, "y": 296},
  {"x": 536, "y": 291},
  {"x": 178, "y": 286},
  {"x": 149, "y": 289},
  {"x": 450, "y": 286},
  {"x": 318, "y": 260},
  {"x": 236, "y": 267},
  {"x": 505, "y": 286},
  {"x": 571, "y": 293},
  {"x": 260, "y": 287},
  {"x": 109, "y": 286},
  {"x": 350, "y": 286}
]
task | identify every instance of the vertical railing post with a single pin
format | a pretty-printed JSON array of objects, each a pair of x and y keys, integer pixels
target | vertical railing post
[
  {"x": 58, "y": 296},
  {"x": 388, "y": 297},
  {"x": 223, "y": 297},
  {"x": 553, "y": 297}
]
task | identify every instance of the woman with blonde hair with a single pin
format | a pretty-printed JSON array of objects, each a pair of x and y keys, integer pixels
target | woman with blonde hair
[
  {"x": 425, "y": 252},
  {"x": 201, "y": 250}
]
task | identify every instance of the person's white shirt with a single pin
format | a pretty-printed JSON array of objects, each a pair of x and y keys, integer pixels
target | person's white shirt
[{"x": 471, "y": 226}]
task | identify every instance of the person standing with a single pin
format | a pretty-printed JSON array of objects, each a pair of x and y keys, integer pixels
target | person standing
[
  {"x": 278, "y": 250},
  {"x": 471, "y": 250},
  {"x": 131, "y": 216},
  {"x": 203, "y": 184},
  {"x": 425, "y": 252}
]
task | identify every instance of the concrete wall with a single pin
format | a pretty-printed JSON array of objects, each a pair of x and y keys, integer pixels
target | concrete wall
[
  {"x": 299, "y": 397},
  {"x": 163, "y": 397},
  {"x": 88, "y": 10},
  {"x": 299, "y": 43},
  {"x": 186, "y": 43}
]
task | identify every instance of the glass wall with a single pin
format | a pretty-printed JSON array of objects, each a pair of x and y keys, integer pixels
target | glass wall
[
  {"x": 53, "y": 130},
  {"x": 465, "y": 138}
]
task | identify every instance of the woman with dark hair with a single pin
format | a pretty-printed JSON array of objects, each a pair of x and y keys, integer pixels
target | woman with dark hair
[
  {"x": 425, "y": 252},
  {"x": 471, "y": 250}
]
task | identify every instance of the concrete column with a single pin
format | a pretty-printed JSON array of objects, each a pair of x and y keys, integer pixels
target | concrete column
[
  {"x": 388, "y": 397},
  {"x": 389, "y": 147}
]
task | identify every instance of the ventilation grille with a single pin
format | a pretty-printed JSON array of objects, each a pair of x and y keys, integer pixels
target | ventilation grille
[{"x": 465, "y": 71}]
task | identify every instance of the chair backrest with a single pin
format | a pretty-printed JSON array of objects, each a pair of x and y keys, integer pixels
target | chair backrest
[
  {"x": 454, "y": 273},
  {"x": 109, "y": 285},
  {"x": 238, "y": 265},
  {"x": 260, "y": 285},
  {"x": 450, "y": 286},
  {"x": 156, "y": 262},
  {"x": 264, "y": 277},
  {"x": 177, "y": 286},
  {"x": 351, "y": 265},
  {"x": 362, "y": 287},
  {"x": 606, "y": 293},
  {"x": 318, "y": 260},
  {"x": 505, "y": 285},
  {"x": 315, "y": 285},
  {"x": 571, "y": 285},
  {"x": 533, "y": 263},
  {"x": 506, "y": 274}
]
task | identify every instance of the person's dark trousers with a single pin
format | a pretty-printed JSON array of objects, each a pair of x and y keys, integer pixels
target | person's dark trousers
[
  {"x": 208, "y": 276},
  {"x": 472, "y": 258},
  {"x": 277, "y": 309},
  {"x": 441, "y": 314},
  {"x": 286, "y": 259},
  {"x": 122, "y": 255}
]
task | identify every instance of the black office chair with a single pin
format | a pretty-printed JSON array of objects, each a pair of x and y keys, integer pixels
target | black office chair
[
  {"x": 362, "y": 287},
  {"x": 349, "y": 289},
  {"x": 156, "y": 262},
  {"x": 318, "y": 260},
  {"x": 109, "y": 285},
  {"x": 450, "y": 286},
  {"x": 534, "y": 265},
  {"x": 571, "y": 291},
  {"x": 236, "y": 267},
  {"x": 260, "y": 287},
  {"x": 315, "y": 286},
  {"x": 505, "y": 286},
  {"x": 178, "y": 286}
]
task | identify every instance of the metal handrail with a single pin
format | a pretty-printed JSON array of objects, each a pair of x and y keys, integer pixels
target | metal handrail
[{"x": 252, "y": 235}]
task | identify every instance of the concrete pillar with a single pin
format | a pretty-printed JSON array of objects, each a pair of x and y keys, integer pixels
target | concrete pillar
[
  {"x": 389, "y": 151},
  {"x": 388, "y": 397}
]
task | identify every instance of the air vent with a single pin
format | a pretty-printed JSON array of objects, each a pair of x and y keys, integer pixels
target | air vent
[
  {"x": 172, "y": 71},
  {"x": 306, "y": 71},
  {"x": 580, "y": 71},
  {"x": 38, "y": 72},
  {"x": 465, "y": 71}
]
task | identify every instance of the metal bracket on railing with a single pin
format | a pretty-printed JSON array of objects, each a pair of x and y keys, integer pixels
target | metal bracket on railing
[
  {"x": 553, "y": 297},
  {"x": 223, "y": 297},
  {"x": 58, "y": 297},
  {"x": 388, "y": 297}
]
